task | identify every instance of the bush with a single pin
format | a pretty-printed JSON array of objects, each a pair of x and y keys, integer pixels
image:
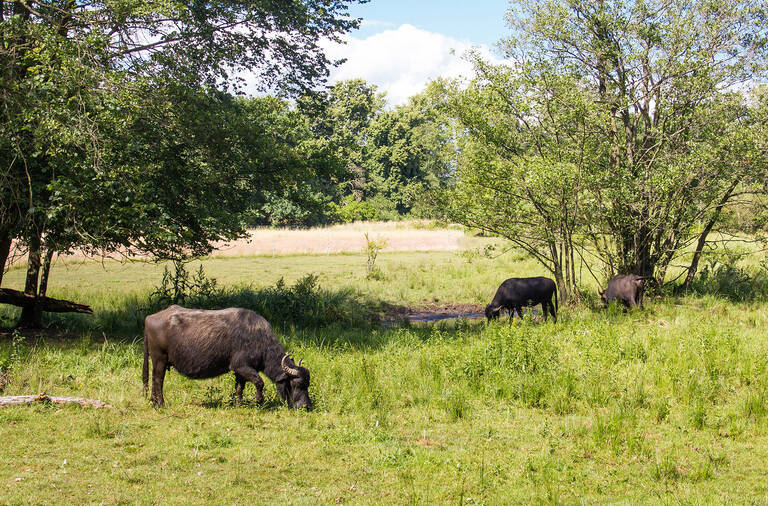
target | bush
[
  {"x": 352, "y": 210},
  {"x": 733, "y": 283},
  {"x": 304, "y": 304}
]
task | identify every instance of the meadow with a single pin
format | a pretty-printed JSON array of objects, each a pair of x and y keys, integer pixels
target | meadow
[{"x": 665, "y": 404}]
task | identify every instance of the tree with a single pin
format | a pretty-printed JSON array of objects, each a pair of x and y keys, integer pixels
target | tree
[
  {"x": 409, "y": 151},
  {"x": 654, "y": 88},
  {"x": 653, "y": 67},
  {"x": 522, "y": 170},
  {"x": 343, "y": 114},
  {"x": 86, "y": 84},
  {"x": 311, "y": 168}
]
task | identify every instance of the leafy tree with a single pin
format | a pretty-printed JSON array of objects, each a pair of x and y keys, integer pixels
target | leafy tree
[
  {"x": 409, "y": 151},
  {"x": 652, "y": 67},
  {"x": 308, "y": 168},
  {"x": 630, "y": 108},
  {"x": 113, "y": 133},
  {"x": 522, "y": 169},
  {"x": 343, "y": 115}
]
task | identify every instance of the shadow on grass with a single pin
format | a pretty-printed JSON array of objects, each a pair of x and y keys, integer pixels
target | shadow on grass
[
  {"x": 302, "y": 313},
  {"x": 216, "y": 398}
]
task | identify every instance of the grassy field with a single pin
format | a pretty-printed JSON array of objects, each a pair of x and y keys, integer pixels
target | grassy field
[{"x": 668, "y": 404}]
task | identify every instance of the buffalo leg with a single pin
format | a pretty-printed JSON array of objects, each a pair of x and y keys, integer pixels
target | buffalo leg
[
  {"x": 519, "y": 311},
  {"x": 159, "y": 365},
  {"x": 252, "y": 375},
  {"x": 239, "y": 385},
  {"x": 552, "y": 310},
  {"x": 544, "y": 309}
]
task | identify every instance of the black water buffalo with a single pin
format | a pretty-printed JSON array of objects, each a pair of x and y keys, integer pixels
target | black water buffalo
[
  {"x": 204, "y": 344},
  {"x": 627, "y": 288},
  {"x": 515, "y": 293}
]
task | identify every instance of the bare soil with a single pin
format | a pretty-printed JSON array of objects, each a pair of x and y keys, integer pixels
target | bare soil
[{"x": 431, "y": 312}]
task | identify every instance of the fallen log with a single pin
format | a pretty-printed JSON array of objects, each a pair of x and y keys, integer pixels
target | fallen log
[
  {"x": 13, "y": 400},
  {"x": 46, "y": 304}
]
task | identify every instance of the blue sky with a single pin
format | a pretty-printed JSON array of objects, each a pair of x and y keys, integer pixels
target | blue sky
[
  {"x": 481, "y": 21},
  {"x": 403, "y": 44}
]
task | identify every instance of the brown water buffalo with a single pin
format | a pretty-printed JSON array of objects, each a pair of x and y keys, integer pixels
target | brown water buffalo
[
  {"x": 204, "y": 344},
  {"x": 515, "y": 293},
  {"x": 626, "y": 288}
]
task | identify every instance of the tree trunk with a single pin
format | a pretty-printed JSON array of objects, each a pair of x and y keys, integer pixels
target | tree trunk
[
  {"x": 557, "y": 271},
  {"x": 46, "y": 271},
  {"x": 32, "y": 314},
  {"x": 694, "y": 267},
  {"x": 46, "y": 304},
  {"x": 5, "y": 251}
]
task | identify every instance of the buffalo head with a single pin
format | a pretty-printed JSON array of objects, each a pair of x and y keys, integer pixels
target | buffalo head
[
  {"x": 293, "y": 384},
  {"x": 491, "y": 312}
]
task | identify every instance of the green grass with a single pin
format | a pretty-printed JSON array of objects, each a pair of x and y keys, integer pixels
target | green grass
[
  {"x": 665, "y": 404},
  {"x": 118, "y": 291},
  {"x": 668, "y": 404}
]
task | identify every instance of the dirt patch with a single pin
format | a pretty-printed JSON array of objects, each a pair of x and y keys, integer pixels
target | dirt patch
[{"x": 394, "y": 314}]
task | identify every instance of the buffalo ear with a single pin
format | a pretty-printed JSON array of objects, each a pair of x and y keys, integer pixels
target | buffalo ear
[
  {"x": 282, "y": 378},
  {"x": 601, "y": 292}
]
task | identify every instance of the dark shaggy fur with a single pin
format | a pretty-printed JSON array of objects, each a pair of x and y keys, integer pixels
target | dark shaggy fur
[
  {"x": 515, "y": 293},
  {"x": 204, "y": 344},
  {"x": 627, "y": 288}
]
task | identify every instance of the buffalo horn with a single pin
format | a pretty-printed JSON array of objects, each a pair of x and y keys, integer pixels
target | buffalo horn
[{"x": 288, "y": 369}]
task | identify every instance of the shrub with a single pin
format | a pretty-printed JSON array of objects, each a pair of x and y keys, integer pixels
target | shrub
[
  {"x": 353, "y": 210},
  {"x": 731, "y": 282},
  {"x": 303, "y": 304}
]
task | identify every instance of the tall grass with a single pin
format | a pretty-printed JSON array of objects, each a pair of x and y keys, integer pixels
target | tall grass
[
  {"x": 602, "y": 405},
  {"x": 665, "y": 404},
  {"x": 733, "y": 282}
]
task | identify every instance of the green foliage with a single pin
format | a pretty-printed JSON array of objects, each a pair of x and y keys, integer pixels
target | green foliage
[
  {"x": 372, "y": 249},
  {"x": 303, "y": 304},
  {"x": 392, "y": 157},
  {"x": 579, "y": 152},
  {"x": 352, "y": 210},
  {"x": 11, "y": 358},
  {"x": 732, "y": 282},
  {"x": 408, "y": 151},
  {"x": 178, "y": 287}
]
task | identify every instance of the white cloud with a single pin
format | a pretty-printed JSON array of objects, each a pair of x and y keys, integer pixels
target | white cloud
[
  {"x": 365, "y": 23},
  {"x": 402, "y": 61}
]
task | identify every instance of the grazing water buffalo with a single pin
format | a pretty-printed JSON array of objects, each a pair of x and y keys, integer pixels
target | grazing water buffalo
[
  {"x": 515, "y": 293},
  {"x": 204, "y": 344},
  {"x": 627, "y": 288}
]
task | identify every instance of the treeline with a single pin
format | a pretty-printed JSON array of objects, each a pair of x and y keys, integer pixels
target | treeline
[{"x": 363, "y": 161}]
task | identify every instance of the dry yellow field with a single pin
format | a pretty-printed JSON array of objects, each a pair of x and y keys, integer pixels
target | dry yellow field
[
  {"x": 399, "y": 236},
  {"x": 349, "y": 238}
]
